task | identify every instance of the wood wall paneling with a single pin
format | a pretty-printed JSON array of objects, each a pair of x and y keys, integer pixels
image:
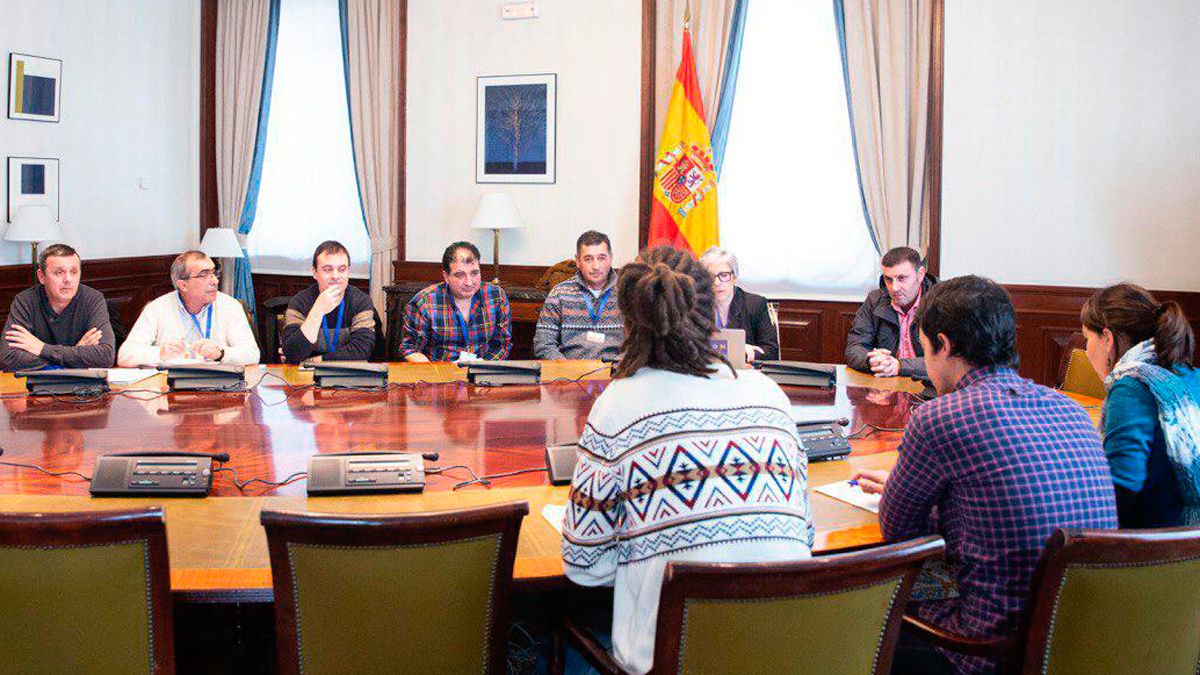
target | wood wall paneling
[{"x": 133, "y": 281}]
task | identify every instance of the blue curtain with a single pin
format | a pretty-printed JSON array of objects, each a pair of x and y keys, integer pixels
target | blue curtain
[
  {"x": 733, "y": 60},
  {"x": 344, "y": 20},
  {"x": 243, "y": 282},
  {"x": 839, "y": 17}
]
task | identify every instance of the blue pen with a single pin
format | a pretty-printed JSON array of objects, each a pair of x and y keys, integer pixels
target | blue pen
[{"x": 853, "y": 482}]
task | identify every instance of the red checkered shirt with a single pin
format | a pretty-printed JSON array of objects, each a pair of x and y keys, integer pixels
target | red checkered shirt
[
  {"x": 995, "y": 467},
  {"x": 432, "y": 325}
]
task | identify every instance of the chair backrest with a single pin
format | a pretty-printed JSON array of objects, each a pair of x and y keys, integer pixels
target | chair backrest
[
  {"x": 422, "y": 593},
  {"x": 85, "y": 593},
  {"x": 834, "y": 615},
  {"x": 1109, "y": 601},
  {"x": 1075, "y": 373}
]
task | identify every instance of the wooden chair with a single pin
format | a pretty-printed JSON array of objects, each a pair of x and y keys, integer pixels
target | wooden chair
[
  {"x": 1104, "y": 602},
  {"x": 422, "y": 593},
  {"x": 833, "y": 615},
  {"x": 1075, "y": 373},
  {"x": 85, "y": 593}
]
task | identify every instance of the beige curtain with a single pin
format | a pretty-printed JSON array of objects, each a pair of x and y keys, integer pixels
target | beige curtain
[
  {"x": 888, "y": 54},
  {"x": 375, "y": 52},
  {"x": 711, "y": 23},
  {"x": 241, "y": 55}
]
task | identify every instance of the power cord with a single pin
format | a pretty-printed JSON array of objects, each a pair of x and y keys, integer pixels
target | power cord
[{"x": 242, "y": 485}]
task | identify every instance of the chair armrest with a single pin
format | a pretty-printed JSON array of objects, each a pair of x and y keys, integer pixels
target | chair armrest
[
  {"x": 960, "y": 644},
  {"x": 591, "y": 649}
]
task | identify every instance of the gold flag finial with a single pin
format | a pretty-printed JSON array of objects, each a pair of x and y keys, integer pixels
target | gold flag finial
[{"x": 687, "y": 15}]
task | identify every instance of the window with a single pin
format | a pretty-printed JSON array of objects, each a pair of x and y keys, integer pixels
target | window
[
  {"x": 308, "y": 192},
  {"x": 789, "y": 203}
]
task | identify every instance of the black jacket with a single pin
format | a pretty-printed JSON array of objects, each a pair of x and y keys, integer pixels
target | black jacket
[
  {"x": 877, "y": 326},
  {"x": 748, "y": 312}
]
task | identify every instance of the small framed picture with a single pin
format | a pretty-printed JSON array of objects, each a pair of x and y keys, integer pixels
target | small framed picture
[
  {"x": 515, "y": 129},
  {"x": 32, "y": 181},
  {"x": 34, "y": 88}
]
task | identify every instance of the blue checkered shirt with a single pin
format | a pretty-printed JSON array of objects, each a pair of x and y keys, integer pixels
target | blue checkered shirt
[{"x": 995, "y": 467}]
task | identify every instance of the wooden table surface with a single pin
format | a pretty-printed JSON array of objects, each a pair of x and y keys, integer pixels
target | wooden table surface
[{"x": 217, "y": 547}]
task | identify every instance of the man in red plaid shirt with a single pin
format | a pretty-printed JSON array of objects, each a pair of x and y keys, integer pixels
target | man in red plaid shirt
[{"x": 460, "y": 317}]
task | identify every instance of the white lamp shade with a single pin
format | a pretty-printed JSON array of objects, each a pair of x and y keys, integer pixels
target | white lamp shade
[
  {"x": 33, "y": 223},
  {"x": 497, "y": 211},
  {"x": 221, "y": 242}
]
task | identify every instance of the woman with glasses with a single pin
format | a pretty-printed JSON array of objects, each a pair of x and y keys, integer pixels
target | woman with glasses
[{"x": 736, "y": 308}]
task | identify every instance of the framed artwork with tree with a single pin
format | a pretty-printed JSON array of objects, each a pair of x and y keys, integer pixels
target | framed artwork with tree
[{"x": 515, "y": 129}]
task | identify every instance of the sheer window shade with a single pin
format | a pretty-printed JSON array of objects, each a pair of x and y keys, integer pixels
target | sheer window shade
[
  {"x": 308, "y": 192},
  {"x": 790, "y": 204}
]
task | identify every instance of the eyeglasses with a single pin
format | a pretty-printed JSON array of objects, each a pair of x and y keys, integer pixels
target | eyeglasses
[
  {"x": 724, "y": 277},
  {"x": 205, "y": 274}
]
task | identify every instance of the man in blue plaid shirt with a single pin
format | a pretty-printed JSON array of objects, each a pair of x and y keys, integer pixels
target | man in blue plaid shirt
[
  {"x": 994, "y": 465},
  {"x": 460, "y": 317}
]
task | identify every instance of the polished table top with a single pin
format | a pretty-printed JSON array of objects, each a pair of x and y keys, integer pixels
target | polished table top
[{"x": 217, "y": 547}]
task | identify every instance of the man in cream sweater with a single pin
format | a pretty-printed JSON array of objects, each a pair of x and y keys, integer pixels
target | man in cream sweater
[{"x": 195, "y": 322}]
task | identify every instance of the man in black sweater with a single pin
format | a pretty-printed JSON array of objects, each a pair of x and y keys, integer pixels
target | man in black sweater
[
  {"x": 331, "y": 319},
  {"x": 59, "y": 322}
]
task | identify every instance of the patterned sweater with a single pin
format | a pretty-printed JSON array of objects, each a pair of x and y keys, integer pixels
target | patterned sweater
[
  {"x": 566, "y": 320},
  {"x": 678, "y": 467}
]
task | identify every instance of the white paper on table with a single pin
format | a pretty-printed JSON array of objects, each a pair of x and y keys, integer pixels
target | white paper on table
[
  {"x": 851, "y": 494},
  {"x": 130, "y": 375},
  {"x": 554, "y": 514}
]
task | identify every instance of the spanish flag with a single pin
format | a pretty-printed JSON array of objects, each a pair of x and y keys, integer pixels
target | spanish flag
[{"x": 684, "y": 211}]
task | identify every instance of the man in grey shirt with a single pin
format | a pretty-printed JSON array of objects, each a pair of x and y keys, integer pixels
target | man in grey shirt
[{"x": 59, "y": 322}]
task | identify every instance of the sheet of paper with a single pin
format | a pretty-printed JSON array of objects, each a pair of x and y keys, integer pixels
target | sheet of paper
[
  {"x": 851, "y": 494},
  {"x": 553, "y": 513},
  {"x": 130, "y": 375}
]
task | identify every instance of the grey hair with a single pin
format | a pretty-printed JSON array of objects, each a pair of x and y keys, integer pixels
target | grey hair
[
  {"x": 179, "y": 266},
  {"x": 715, "y": 254}
]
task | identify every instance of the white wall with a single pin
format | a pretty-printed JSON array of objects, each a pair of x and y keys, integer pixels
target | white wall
[
  {"x": 595, "y": 48},
  {"x": 1072, "y": 142},
  {"x": 130, "y": 88}
]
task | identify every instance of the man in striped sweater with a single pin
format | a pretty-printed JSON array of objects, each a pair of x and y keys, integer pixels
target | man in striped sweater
[{"x": 581, "y": 319}]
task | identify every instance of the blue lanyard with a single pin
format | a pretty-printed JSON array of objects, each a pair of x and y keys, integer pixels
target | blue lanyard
[
  {"x": 332, "y": 343},
  {"x": 464, "y": 331},
  {"x": 595, "y": 310},
  {"x": 717, "y": 316},
  {"x": 196, "y": 322}
]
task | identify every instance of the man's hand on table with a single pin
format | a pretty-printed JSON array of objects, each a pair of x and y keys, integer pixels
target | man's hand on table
[{"x": 872, "y": 481}]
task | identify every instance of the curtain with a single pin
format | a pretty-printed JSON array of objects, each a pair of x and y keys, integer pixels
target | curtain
[
  {"x": 372, "y": 49},
  {"x": 733, "y": 59},
  {"x": 887, "y": 51},
  {"x": 246, "y": 31},
  {"x": 711, "y": 24}
]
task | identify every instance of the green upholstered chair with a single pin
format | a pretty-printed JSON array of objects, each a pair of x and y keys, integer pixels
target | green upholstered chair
[
  {"x": 423, "y": 593},
  {"x": 85, "y": 593},
  {"x": 830, "y": 615},
  {"x": 1105, "y": 602}
]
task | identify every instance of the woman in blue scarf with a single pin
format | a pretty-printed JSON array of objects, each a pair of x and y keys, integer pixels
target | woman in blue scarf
[{"x": 1143, "y": 349}]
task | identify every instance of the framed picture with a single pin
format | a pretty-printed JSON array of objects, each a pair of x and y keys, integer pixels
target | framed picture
[
  {"x": 515, "y": 129},
  {"x": 32, "y": 181},
  {"x": 34, "y": 88}
]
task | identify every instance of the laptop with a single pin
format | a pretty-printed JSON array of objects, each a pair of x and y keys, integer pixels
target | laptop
[{"x": 732, "y": 343}]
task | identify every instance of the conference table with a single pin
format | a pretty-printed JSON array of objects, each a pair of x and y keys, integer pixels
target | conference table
[{"x": 217, "y": 547}]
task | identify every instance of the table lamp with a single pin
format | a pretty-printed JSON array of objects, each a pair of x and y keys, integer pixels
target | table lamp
[
  {"x": 33, "y": 223},
  {"x": 222, "y": 242},
  {"x": 496, "y": 212}
]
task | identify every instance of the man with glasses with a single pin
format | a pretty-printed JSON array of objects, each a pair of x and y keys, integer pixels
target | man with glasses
[
  {"x": 195, "y": 322},
  {"x": 330, "y": 320},
  {"x": 461, "y": 318}
]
